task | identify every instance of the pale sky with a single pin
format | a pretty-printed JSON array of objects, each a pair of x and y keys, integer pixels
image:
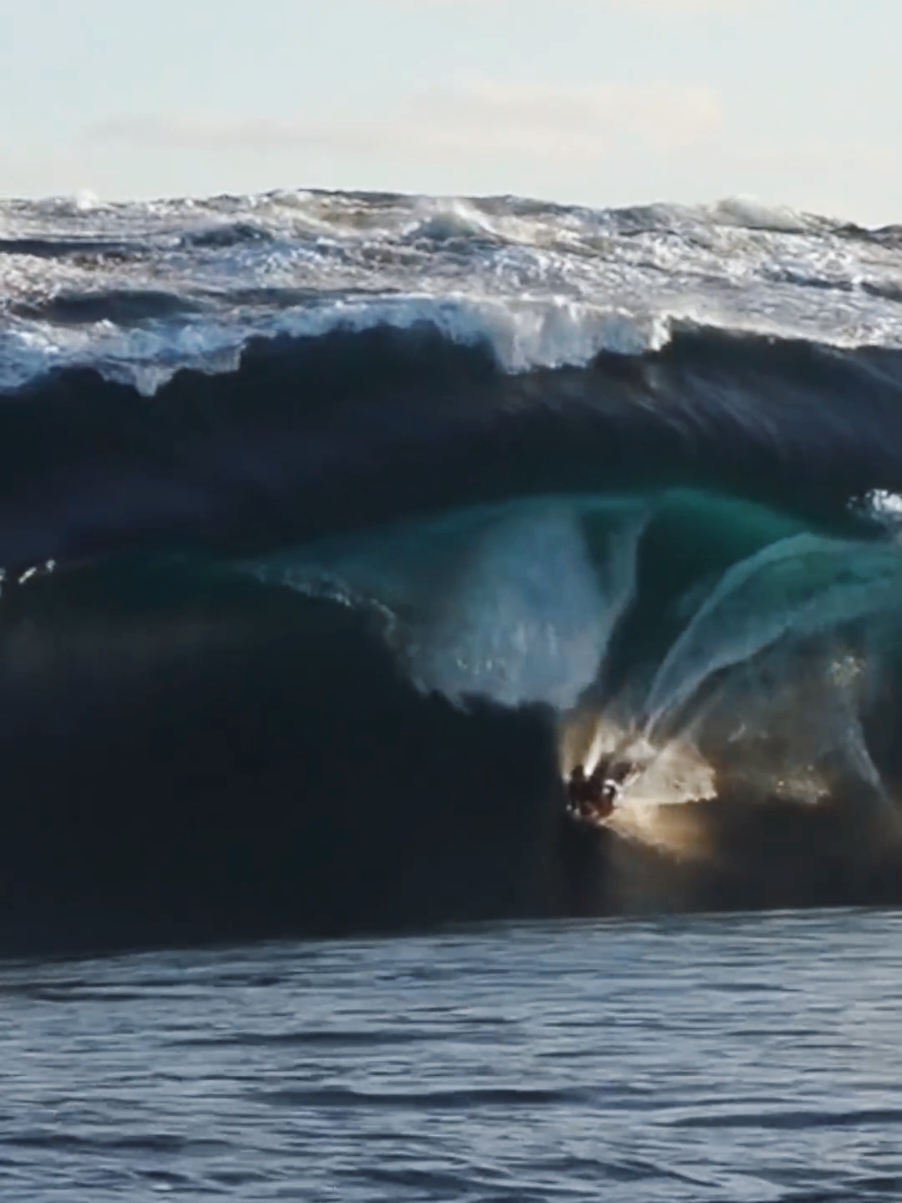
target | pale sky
[{"x": 601, "y": 102}]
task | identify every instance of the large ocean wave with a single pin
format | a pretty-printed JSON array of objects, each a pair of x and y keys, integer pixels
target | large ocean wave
[{"x": 337, "y": 530}]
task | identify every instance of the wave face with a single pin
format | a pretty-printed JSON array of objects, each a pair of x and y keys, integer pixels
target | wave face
[{"x": 337, "y": 529}]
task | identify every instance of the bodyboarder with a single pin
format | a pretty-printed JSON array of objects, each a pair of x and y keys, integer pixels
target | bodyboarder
[{"x": 591, "y": 797}]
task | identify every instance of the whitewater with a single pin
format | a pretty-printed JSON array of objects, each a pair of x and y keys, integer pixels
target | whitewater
[{"x": 139, "y": 290}]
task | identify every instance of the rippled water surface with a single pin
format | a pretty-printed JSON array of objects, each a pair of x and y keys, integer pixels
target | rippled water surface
[{"x": 739, "y": 1058}]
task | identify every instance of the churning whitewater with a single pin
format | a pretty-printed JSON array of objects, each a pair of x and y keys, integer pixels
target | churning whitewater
[{"x": 338, "y": 530}]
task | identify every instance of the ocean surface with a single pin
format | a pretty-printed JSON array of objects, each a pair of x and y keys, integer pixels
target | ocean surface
[
  {"x": 336, "y": 530},
  {"x": 738, "y": 1059}
]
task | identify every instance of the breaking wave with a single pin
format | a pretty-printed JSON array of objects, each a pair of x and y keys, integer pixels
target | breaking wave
[{"x": 338, "y": 530}]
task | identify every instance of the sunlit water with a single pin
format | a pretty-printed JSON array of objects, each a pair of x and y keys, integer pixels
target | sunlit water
[{"x": 738, "y": 1058}]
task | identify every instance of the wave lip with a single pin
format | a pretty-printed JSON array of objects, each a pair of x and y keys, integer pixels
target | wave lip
[{"x": 318, "y": 434}]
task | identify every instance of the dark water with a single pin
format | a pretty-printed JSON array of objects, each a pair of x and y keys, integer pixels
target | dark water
[{"x": 737, "y": 1058}]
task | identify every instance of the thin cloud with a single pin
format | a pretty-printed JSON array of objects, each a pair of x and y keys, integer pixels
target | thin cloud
[{"x": 479, "y": 118}]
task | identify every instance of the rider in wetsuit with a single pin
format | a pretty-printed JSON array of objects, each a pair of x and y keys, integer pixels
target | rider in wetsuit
[{"x": 593, "y": 796}]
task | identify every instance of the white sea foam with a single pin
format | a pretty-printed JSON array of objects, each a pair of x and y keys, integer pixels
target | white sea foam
[
  {"x": 886, "y": 508},
  {"x": 544, "y": 285}
]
